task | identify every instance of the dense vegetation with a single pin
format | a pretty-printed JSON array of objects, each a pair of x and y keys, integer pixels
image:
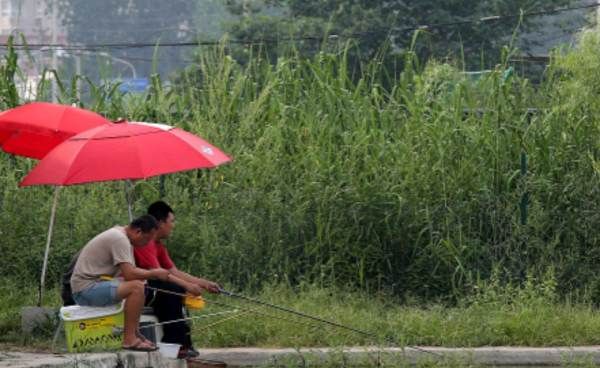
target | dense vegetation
[
  {"x": 450, "y": 26},
  {"x": 407, "y": 183}
]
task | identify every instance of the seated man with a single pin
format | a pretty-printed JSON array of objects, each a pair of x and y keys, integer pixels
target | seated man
[
  {"x": 167, "y": 306},
  {"x": 110, "y": 255}
]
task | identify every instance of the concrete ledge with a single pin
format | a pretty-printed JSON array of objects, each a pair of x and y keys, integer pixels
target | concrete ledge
[
  {"x": 91, "y": 360},
  {"x": 33, "y": 317},
  {"x": 348, "y": 357}
]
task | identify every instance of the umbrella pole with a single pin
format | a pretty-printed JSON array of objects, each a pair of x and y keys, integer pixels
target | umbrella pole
[
  {"x": 128, "y": 196},
  {"x": 48, "y": 241}
]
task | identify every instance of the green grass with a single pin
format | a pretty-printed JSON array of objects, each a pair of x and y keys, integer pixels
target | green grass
[
  {"x": 499, "y": 315},
  {"x": 496, "y": 314}
]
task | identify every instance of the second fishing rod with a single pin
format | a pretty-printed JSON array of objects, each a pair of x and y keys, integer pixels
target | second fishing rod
[{"x": 300, "y": 314}]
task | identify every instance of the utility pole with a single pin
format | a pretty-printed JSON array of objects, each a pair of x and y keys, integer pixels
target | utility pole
[
  {"x": 597, "y": 10},
  {"x": 598, "y": 14},
  {"x": 54, "y": 25},
  {"x": 246, "y": 12}
]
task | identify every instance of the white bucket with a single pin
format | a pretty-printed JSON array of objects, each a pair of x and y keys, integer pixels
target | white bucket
[{"x": 168, "y": 350}]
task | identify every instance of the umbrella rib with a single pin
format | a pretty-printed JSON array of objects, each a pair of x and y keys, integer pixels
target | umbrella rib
[
  {"x": 76, "y": 138},
  {"x": 69, "y": 173},
  {"x": 62, "y": 114}
]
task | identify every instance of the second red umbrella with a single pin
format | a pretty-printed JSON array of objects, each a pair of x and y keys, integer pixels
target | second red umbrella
[{"x": 32, "y": 130}]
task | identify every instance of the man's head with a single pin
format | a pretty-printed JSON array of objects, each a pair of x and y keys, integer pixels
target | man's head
[
  {"x": 141, "y": 230},
  {"x": 165, "y": 216}
]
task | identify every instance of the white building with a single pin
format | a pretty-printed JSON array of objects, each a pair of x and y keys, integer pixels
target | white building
[
  {"x": 39, "y": 24},
  {"x": 33, "y": 18}
]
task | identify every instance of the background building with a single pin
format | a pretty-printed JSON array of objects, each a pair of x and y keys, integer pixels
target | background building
[{"x": 38, "y": 23}]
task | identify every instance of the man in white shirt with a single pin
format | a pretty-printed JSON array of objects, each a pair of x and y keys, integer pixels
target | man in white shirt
[{"x": 105, "y": 274}]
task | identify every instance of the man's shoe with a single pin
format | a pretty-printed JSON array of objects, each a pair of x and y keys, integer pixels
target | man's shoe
[
  {"x": 187, "y": 353},
  {"x": 192, "y": 353}
]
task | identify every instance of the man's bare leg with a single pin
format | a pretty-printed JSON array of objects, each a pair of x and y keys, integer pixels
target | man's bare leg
[{"x": 133, "y": 293}]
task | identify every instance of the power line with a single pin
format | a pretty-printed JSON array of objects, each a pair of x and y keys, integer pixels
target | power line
[
  {"x": 132, "y": 45},
  {"x": 493, "y": 18}
]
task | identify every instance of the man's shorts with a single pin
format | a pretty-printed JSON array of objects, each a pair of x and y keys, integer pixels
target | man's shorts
[{"x": 100, "y": 294}]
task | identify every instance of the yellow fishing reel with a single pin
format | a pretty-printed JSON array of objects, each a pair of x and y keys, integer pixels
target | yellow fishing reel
[{"x": 193, "y": 302}]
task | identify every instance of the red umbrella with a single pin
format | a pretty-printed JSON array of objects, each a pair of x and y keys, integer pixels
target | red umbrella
[
  {"x": 122, "y": 151},
  {"x": 32, "y": 130}
]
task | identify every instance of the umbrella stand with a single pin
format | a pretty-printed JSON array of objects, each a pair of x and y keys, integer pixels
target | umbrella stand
[{"x": 48, "y": 241}]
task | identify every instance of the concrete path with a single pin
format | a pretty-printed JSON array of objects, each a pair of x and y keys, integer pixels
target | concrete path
[{"x": 351, "y": 356}]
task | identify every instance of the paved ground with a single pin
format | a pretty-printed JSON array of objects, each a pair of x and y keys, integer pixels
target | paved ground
[{"x": 355, "y": 356}]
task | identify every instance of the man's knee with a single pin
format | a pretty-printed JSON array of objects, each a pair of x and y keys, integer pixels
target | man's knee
[{"x": 131, "y": 288}]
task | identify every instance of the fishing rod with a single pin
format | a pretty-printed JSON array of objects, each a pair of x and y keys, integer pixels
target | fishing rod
[
  {"x": 291, "y": 311},
  {"x": 119, "y": 330},
  {"x": 236, "y": 307},
  {"x": 304, "y": 315},
  {"x": 288, "y": 310},
  {"x": 188, "y": 319}
]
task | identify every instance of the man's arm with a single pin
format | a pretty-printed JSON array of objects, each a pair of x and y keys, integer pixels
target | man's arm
[
  {"x": 130, "y": 272},
  {"x": 190, "y": 287},
  {"x": 208, "y": 285}
]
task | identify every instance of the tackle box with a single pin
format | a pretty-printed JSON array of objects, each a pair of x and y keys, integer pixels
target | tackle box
[{"x": 93, "y": 328}]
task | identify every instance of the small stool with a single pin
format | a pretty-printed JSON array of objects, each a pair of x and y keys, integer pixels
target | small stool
[{"x": 149, "y": 326}]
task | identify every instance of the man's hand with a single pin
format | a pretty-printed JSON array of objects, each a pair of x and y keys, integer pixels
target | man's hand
[
  {"x": 211, "y": 287},
  {"x": 160, "y": 273},
  {"x": 193, "y": 289}
]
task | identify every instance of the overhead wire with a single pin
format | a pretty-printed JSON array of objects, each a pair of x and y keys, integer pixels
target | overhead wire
[
  {"x": 491, "y": 18},
  {"x": 131, "y": 45}
]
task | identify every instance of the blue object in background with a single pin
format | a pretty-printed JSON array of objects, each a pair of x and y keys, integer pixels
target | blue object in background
[{"x": 134, "y": 85}]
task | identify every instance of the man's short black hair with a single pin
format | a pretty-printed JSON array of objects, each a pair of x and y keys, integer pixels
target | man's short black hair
[
  {"x": 160, "y": 210},
  {"x": 145, "y": 223}
]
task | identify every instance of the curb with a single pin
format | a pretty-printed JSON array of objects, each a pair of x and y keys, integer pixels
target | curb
[
  {"x": 349, "y": 357},
  {"x": 374, "y": 356}
]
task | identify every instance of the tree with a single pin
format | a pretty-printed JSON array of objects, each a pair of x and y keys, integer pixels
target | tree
[{"x": 373, "y": 23}]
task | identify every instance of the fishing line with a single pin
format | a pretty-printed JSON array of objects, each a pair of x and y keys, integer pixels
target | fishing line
[
  {"x": 188, "y": 318},
  {"x": 291, "y": 311},
  {"x": 246, "y": 309},
  {"x": 349, "y": 329},
  {"x": 335, "y": 324},
  {"x": 239, "y": 315},
  {"x": 261, "y": 313},
  {"x": 266, "y": 314}
]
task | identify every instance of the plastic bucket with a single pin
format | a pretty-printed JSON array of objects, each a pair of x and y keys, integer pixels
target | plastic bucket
[{"x": 168, "y": 350}]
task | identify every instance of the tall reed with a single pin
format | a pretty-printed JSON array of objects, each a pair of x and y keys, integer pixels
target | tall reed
[{"x": 408, "y": 182}]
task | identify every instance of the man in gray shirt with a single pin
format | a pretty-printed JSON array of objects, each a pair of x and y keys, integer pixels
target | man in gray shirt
[{"x": 105, "y": 274}]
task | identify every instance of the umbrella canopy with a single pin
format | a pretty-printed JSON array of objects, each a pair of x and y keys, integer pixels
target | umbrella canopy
[
  {"x": 32, "y": 130},
  {"x": 124, "y": 150}
]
